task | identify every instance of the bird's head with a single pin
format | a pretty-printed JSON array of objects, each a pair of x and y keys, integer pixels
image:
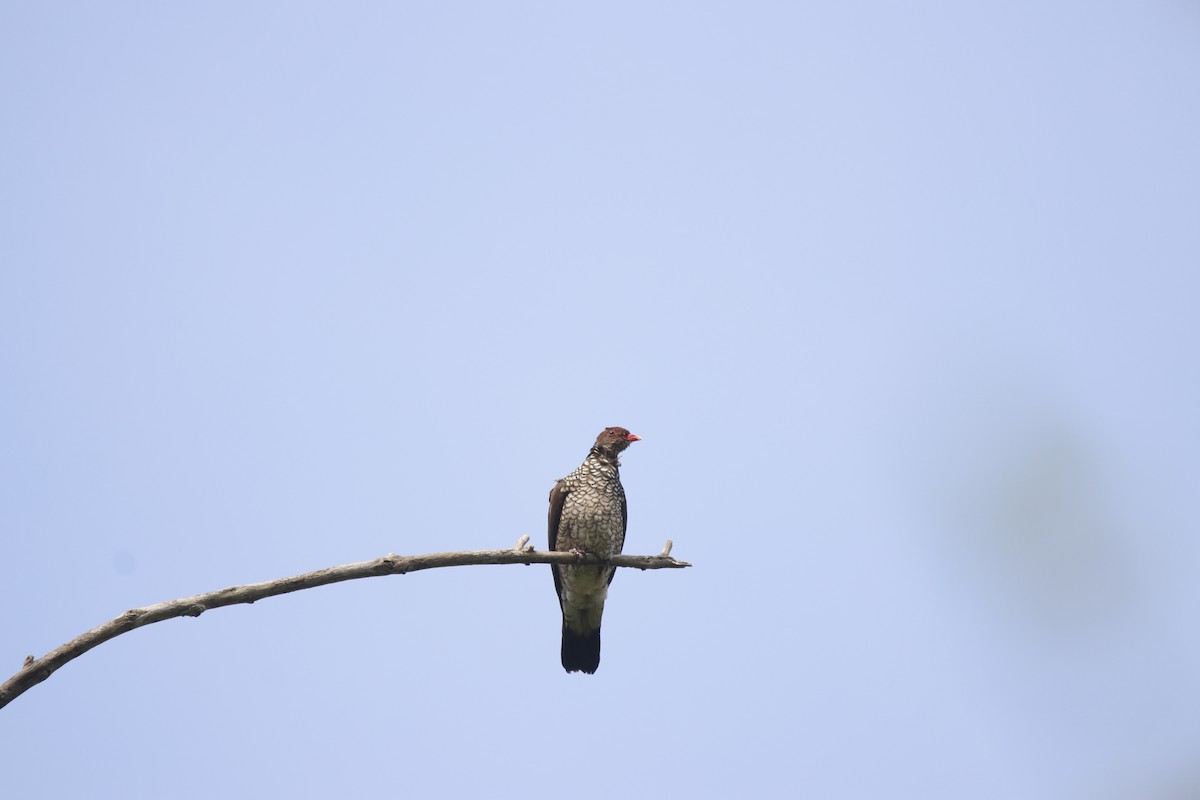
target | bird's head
[{"x": 612, "y": 441}]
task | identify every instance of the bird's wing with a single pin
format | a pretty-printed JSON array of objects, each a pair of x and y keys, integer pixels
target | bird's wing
[
  {"x": 558, "y": 496},
  {"x": 624, "y": 525}
]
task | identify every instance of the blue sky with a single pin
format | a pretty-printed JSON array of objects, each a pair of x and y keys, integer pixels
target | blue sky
[{"x": 901, "y": 298}]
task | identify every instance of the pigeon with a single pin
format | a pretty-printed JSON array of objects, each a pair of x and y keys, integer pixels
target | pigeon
[{"x": 588, "y": 516}]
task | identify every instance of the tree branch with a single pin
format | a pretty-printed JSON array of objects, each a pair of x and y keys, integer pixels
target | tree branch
[{"x": 36, "y": 670}]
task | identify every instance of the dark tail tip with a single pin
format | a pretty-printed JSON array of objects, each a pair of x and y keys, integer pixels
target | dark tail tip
[{"x": 580, "y": 652}]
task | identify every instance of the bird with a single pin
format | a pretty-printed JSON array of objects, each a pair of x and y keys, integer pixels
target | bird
[{"x": 588, "y": 516}]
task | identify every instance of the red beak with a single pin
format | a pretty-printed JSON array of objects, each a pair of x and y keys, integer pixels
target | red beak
[{"x": 633, "y": 437}]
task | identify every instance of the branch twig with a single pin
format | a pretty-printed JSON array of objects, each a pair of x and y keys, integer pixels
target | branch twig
[{"x": 36, "y": 670}]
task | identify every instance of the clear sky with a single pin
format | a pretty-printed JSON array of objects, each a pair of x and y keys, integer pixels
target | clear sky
[{"x": 901, "y": 297}]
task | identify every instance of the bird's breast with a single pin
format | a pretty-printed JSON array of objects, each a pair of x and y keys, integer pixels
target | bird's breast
[{"x": 592, "y": 519}]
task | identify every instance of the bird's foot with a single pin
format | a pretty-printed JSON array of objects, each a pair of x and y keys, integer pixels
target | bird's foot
[{"x": 579, "y": 553}]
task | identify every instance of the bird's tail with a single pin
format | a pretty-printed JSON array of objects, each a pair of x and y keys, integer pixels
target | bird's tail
[{"x": 580, "y": 651}]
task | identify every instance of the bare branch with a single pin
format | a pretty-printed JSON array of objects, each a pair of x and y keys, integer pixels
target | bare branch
[{"x": 36, "y": 670}]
